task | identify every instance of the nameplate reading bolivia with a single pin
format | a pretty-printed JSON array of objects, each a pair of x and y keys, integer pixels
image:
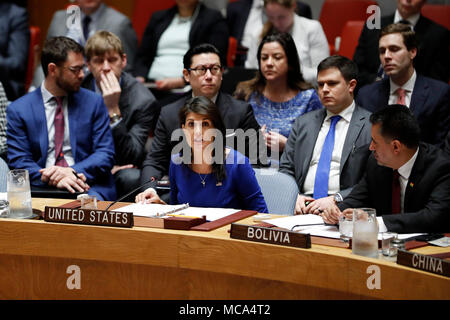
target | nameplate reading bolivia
[
  {"x": 89, "y": 216},
  {"x": 269, "y": 235},
  {"x": 423, "y": 262}
]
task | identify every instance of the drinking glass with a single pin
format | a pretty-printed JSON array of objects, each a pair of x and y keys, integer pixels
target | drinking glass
[
  {"x": 386, "y": 243},
  {"x": 345, "y": 227},
  {"x": 19, "y": 194}
]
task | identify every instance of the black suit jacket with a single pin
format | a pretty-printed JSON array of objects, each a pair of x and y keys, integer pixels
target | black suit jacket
[
  {"x": 427, "y": 195},
  {"x": 209, "y": 27},
  {"x": 432, "y": 60},
  {"x": 140, "y": 111},
  {"x": 447, "y": 144},
  {"x": 14, "y": 42},
  {"x": 430, "y": 104},
  {"x": 235, "y": 114}
]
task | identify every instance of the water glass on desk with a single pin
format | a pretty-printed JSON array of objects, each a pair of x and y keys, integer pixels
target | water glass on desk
[
  {"x": 345, "y": 228},
  {"x": 365, "y": 232},
  {"x": 386, "y": 244},
  {"x": 19, "y": 194}
]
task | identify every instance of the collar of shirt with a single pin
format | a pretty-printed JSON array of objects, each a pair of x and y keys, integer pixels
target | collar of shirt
[
  {"x": 213, "y": 99},
  {"x": 405, "y": 170},
  {"x": 408, "y": 86},
  {"x": 46, "y": 95},
  {"x": 95, "y": 15},
  {"x": 345, "y": 114},
  {"x": 412, "y": 20},
  {"x": 258, "y": 4}
]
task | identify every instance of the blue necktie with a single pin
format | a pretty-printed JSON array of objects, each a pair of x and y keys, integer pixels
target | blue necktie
[{"x": 323, "y": 168}]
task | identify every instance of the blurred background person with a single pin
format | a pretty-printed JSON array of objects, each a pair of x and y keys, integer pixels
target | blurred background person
[
  {"x": 309, "y": 37},
  {"x": 211, "y": 174},
  {"x": 169, "y": 35},
  {"x": 278, "y": 94}
]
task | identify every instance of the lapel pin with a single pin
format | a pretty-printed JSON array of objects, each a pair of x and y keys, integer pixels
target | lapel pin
[{"x": 411, "y": 184}]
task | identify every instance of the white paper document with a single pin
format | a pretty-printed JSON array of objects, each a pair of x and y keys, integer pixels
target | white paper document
[
  {"x": 161, "y": 210},
  {"x": 3, "y": 195}
]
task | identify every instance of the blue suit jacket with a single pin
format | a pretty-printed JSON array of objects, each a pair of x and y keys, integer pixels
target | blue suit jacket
[
  {"x": 90, "y": 138},
  {"x": 429, "y": 104}
]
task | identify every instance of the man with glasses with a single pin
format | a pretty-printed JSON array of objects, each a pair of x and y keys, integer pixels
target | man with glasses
[
  {"x": 203, "y": 70},
  {"x": 59, "y": 132}
]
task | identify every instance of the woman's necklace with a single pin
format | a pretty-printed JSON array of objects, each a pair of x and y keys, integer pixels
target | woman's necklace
[{"x": 202, "y": 179}]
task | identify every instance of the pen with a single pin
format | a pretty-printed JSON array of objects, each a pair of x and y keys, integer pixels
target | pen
[{"x": 75, "y": 174}]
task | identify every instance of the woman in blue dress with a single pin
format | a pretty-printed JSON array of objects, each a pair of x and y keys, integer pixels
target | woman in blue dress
[
  {"x": 278, "y": 93},
  {"x": 206, "y": 173}
]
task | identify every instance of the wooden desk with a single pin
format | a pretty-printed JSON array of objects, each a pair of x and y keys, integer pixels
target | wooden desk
[{"x": 145, "y": 263}]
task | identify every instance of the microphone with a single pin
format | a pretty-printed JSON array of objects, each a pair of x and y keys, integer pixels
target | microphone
[{"x": 152, "y": 180}]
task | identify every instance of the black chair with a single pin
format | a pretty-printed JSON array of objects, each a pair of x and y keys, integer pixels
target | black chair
[{"x": 232, "y": 76}]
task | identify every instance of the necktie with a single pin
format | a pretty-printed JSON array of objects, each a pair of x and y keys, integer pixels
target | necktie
[
  {"x": 323, "y": 167},
  {"x": 86, "y": 23},
  {"x": 396, "y": 198},
  {"x": 59, "y": 134},
  {"x": 401, "y": 94}
]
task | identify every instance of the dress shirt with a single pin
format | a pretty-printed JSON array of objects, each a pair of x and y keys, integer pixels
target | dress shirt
[
  {"x": 254, "y": 24},
  {"x": 408, "y": 86},
  {"x": 340, "y": 135},
  {"x": 412, "y": 20},
  {"x": 404, "y": 172},
  {"x": 50, "y": 110},
  {"x": 94, "y": 20}
]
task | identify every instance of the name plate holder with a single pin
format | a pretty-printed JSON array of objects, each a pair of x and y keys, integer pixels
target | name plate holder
[
  {"x": 269, "y": 235},
  {"x": 424, "y": 262},
  {"x": 89, "y": 217}
]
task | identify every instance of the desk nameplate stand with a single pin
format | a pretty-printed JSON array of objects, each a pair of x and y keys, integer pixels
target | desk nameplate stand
[
  {"x": 270, "y": 235},
  {"x": 423, "y": 262}
]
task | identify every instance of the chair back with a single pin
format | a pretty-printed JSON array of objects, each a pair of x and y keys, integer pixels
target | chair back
[
  {"x": 33, "y": 52},
  {"x": 439, "y": 13},
  {"x": 279, "y": 190},
  {"x": 3, "y": 171},
  {"x": 349, "y": 38}
]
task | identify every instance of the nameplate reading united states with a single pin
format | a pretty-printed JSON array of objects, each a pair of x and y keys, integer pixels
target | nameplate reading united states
[
  {"x": 269, "y": 235},
  {"x": 89, "y": 217},
  {"x": 424, "y": 262}
]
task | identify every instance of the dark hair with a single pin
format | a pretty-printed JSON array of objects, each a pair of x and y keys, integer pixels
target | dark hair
[
  {"x": 56, "y": 50},
  {"x": 398, "y": 123},
  {"x": 295, "y": 78},
  {"x": 202, "y": 105},
  {"x": 347, "y": 67},
  {"x": 408, "y": 35},
  {"x": 199, "y": 49}
]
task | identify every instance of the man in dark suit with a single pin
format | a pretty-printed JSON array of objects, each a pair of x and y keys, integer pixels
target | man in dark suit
[
  {"x": 406, "y": 181},
  {"x": 433, "y": 58},
  {"x": 14, "y": 42},
  {"x": 247, "y": 16},
  {"x": 132, "y": 108},
  {"x": 327, "y": 149},
  {"x": 59, "y": 132},
  {"x": 203, "y": 70},
  {"x": 427, "y": 98}
]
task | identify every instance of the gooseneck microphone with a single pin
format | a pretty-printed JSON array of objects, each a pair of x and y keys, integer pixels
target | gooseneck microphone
[{"x": 152, "y": 179}]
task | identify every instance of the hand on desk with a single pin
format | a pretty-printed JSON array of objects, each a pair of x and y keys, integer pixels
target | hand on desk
[
  {"x": 148, "y": 196},
  {"x": 64, "y": 178},
  {"x": 308, "y": 205},
  {"x": 331, "y": 215},
  {"x": 300, "y": 205}
]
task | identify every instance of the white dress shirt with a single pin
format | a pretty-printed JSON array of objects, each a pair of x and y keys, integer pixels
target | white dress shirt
[
  {"x": 412, "y": 20},
  {"x": 408, "y": 86},
  {"x": 50, "y": 110},
  {"x": 254, "y": 24},
  {"x": 339, "y": 139},
  {"x": 404, "y": 172}
]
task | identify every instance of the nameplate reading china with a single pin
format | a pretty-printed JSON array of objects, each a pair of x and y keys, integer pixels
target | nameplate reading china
[
  {"x": 89, "y": 216},
  {"x": 424, "y": 262},
  {"x": 272, "y": 236}
]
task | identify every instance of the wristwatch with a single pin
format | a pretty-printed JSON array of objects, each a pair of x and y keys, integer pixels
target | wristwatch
[
  {"x": 114, "y": 118},
  {"x": 337, "y": 198}
]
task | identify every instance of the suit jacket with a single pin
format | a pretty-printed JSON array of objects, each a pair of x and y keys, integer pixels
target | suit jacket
[
  {"x": 300, "y": 145},
  {"x": 235, "y": 114},
  {"x": 90, "y": 138},
  {"x": 14, "y": 43},
  {"x": 427, "y": 195},
  {"x": 433, "y": 56},
  {"x": 110, "y": 20},
  {"x": 430, "y": 103},
  {"x": 447, "y": 144},
  {"x": 208, "y": 27},
  {"x": 140, "y": 111}
]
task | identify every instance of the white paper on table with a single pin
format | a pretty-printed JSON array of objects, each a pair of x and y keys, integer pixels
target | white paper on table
[
  {"x": 153, "y": 210},
  {"x": 290, "y": 221},
  {"x": 3, "y": 195}
]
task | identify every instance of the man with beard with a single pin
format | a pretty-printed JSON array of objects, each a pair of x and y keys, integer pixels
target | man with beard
[{"x": 59, "y": 132}]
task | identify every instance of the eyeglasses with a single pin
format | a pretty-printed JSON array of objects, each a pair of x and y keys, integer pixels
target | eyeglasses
[
  {"x": 201, "y": 71},
  {"x": 77, "y": 69}
]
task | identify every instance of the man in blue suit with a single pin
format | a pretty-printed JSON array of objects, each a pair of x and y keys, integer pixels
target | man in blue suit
[
  {"x": 428, "y": 99},
  {"x": 59, "y": 132}
]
